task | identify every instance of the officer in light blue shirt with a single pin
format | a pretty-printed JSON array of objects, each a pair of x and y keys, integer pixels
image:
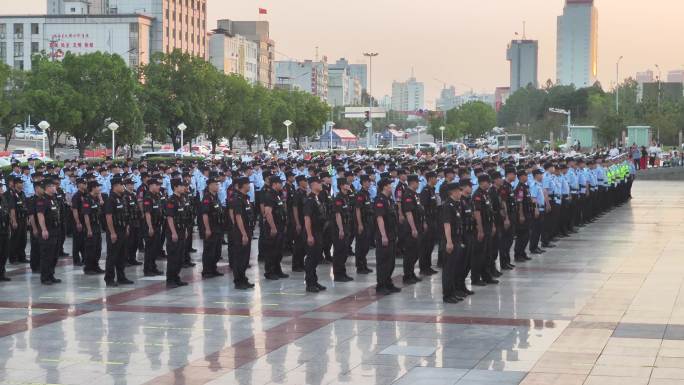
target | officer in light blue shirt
[{"x": 104, "y": 180}]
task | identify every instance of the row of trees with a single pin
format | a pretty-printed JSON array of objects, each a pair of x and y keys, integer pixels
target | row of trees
[{"x": 81, "y": 94}]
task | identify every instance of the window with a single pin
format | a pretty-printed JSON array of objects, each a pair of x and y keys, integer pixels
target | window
[
  {"x": 134, "y": 28},
  {"x": 3, "y": 30},
  {"x": 73, "y": 10},
  {"x": 3, "y": 52},
  {"x": 167, "y": 13},
  {"x": 19, "y": 30},
  {"x": 174, "y": 15},
  {"x": 174, "y": 33},
  {"x": 18, "y": 49},
  {"x": 19, "y": 64},
  {"x": 167, "y": 32},
  {"x": 34, "y": 29},
  {"x": 35, "y": 47}
]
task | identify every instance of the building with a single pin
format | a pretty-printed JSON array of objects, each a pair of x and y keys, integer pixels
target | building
[
  {"x": 176, "y": 24},
  {"x": 345, "y": 85},
  {"x": 234, "y": 54},
  {"x": 501, "y": 94},
  {"x": 645, "y": 77},
  {"x": 408, "y": 95},
  {"x": 676, "y": 76},
  {"x": 523, "y": 56},
  {"x": 447, "y": 99},
  {"x": 577, "y": 44},
  {"x": 127, "y": 35},
  {"x": 308, "y": 76},
  {"x": 258, "y": 32},
  {"x": 385, "y": 102},
  {"x": 661, "y": 92}
]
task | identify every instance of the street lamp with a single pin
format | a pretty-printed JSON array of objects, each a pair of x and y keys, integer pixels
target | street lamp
[
  {"x": 442, "y": 128},
  {"x": 617, "y": 85},
  {"x": 287, "y": 124},
  {"x": 182, "y": 127},
  {"x": 332, "y": 124},
  {"x": 113, "y": 127},
  {"x": 564, "y": 112},
  {"x": 44, "y": 126},
  {"x": 370, "y": 56}
]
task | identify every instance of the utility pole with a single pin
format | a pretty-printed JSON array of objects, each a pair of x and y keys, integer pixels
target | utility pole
[
  {"x": 370, "y": 56},
  {"x": 617, "y": 86}
]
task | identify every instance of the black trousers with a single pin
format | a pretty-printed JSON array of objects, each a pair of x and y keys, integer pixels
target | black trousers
[
  {"x": 132, "y": 244},
  {"x": 536, "y": 231},
  {"x": 429, "y": 240},
  {"x": 273, "y": 252},
  {"x": 522, "y": 237},
  {"x": 241, "y": 255},
  {"x": 464, "y": 263},
  {"x": 78, "y": 245},
  {"x": 153, "y": 248},
  {"x": 116, "y": 258},
  {"x": 340, "y": 254},
  {"x": 48, "y": 255},
  {"x": 18, "y": 242},
  {"x": 480, "y": 258},
  {"x": 506, "y": 237},
  {"x": 412, "y": 247},
  {"x": 34, "y": 253},
  {"x": 93, "y": 250},
  {"x": 362, "y": 246},
  {"x": 211, "y": 250},
  {"x": 385, "y": 262},
  {"x": 314, "y": 255},
  {"x": 4, "y": 252},
  {"x": 298, "y": 250},
  {"x": 174, "y": 257},
  {"x": 452, "y": 262},
  {"x": 328, "y": 240}
]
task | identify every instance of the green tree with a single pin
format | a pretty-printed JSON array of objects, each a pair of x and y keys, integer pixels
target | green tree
[
  {"x": 13, "y": 106},
  {"x": 472, "y": 118},
  {"x": 310, "y": 114}
]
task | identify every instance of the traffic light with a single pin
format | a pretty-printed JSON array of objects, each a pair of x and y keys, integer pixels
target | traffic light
[{"x": 367, "y": 116}]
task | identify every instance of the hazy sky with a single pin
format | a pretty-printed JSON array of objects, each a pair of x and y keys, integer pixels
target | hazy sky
[{"x": 461, "y": 42}]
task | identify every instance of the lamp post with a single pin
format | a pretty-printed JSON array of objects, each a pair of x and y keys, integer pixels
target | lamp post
[
  {"x": 332, "y": 124},
  {"x": 182, "y": 127},
  {"x": 442, "y": 128},
  {"x": 370, "y": 56},
  {"x": 44, "y": 126},
  {"x": 113, "y": 127},
  {"x": 564, "y": 112},
  {"x": 287, "y": 124},
  {"x": 617, "y": 86}
]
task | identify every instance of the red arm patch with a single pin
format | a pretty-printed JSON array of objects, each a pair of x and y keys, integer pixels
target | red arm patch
[
  {"x": 86, "y": 205},
  {"x": 379, "y": 205},
  {"x": 338, "y": 202},
  {"x": 169, "y": 205}
]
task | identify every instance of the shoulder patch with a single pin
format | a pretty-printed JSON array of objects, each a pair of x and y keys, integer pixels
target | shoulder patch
[
  {"x": 379, "y": 205},
  {"x": 169, "y": 205},
  {"x": 338, "y": 202}
]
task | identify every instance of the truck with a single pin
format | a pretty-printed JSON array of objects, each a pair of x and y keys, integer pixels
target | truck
[{"x": 509, "y": 141}]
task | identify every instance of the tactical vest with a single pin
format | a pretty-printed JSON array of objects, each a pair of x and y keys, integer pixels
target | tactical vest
[{"x": 53, "y": 217}]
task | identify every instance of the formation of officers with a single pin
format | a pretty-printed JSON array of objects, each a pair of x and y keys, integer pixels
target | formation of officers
[{"x": 321, "y": 211}]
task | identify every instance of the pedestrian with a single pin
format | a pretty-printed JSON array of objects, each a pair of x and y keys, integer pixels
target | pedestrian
[
  {"x": 386, "y": 233},
  {"x": 314, "y": 222},
  {"x": 116, "y": 214}
]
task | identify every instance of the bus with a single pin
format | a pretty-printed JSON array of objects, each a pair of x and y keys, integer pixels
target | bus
[{"x": 511, "y": 141}]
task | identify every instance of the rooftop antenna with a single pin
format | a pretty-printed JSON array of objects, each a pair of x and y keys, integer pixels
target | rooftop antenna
[
  {"x": 412, "y": 75},
  {"x": 524, "y": 25},
  {"x": 316, "y": 53}
]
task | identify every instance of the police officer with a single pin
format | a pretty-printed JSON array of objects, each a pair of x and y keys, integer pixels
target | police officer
[
  {"x": 134, "y": 221},
  {"x": 341, "y": 230},
  {"x": 484, "y": 220},
  {"x": 467, "y": 214},
  {"x": 275, "y": 227},
  {"x": 91, "y": 208},
  {"x": 34, "y": 228},
  {"x": 153, "y": 226},
  {"x": 386, "y": 233},
  {"x": 242, "y": 215},
  {"x": 500, "y": 218},
  {"x": 428, "y": 198},
  {"x": 211, "y": 229},
  {"x": 415, "y": 219},
  {"x": 189, "y": 218},
  {"x": 78, "y": 241},
  {"x": 299, "y": 246},
  {"x": 60, "y": 195},
  {"x": 524, "y": 216},
  {"x": 508, "y": 231},
  {"x": 454, "y": 247},
  {"x": 16, "y": 202},
  {"x": 4, "y": 233},
  {"x": 364, "y": 218},
  {"x": 50, "y": 222},
  {"x": 117, "y": 226},
  {"x": 314, "y": 221},
  {"x": 176, "y": 234}
]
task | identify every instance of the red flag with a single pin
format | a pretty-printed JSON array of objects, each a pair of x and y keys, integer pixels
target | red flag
[{"x": 263, "y": 11}]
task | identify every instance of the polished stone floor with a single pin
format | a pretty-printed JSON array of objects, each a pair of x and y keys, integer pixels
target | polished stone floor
[{"x": 602, "y": 308}]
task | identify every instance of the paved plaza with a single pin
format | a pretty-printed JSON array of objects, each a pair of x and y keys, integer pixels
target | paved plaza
[{"x": 602, "y": 308}]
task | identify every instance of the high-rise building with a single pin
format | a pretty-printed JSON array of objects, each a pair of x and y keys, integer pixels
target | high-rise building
[
  {"x": 308, "y": 76},
  {"x": 577, "y": 44},
  {"x": 346, "y": 83},
  {"x": 234, "y": 54},
  {"x": 523, "y": 56},
  {"x": 258, "y": 32},
  {"x": 676, "y": 76},
  {"x": 408, "y": 96},
  {"x": 645, "y": 77},
  {"x": 447, "y": 99}
]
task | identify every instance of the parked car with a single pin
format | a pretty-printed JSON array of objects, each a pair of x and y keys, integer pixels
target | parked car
[{"x": 36, "y": 135}]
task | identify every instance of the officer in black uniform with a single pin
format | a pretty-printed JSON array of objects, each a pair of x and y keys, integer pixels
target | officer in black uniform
[
  {"x": 64, "y": 211},
  {"x": 524, "y": 217},
  {"x": 33, "y": 225},
  {"x": 4, "y": 233},
  {"x": 314, "y": 222},
  {"x": 484, "y": 220},
  {"x": 454, "y": 246},
  {"x": 176, "y": 234},
  {"x": 467, "y": 214},
  {"x": 326, "y": 198},
  {"x": 299, "y": 246},
  {"x": 78, "y": 240},
  {"x": 414, "y": 212},
  {"x": 117, "y": 226},
  {"x": 508, "y": 231},
  {"x": 499, "y": 215},
  {"x": 364, "y": 223},
  {"x": 50, "y": 222},
  {"x": 211, "y": 229},
  {"x": 428, "y": 199},
  {"x": 289, "y": 190},
  {"x": 152, "y": 226},
  {"x": 386, "y": 233},
  {"x": 189, "y": 219},
  {"x": 242, "y": 215},
  {"x": 274, "y": 230},
  {"x": 91, "y": 208},
  {"x": 342, "y": 228},
  {"x": 134, "y": 221},
  {"x": 16, "y": 201}
]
